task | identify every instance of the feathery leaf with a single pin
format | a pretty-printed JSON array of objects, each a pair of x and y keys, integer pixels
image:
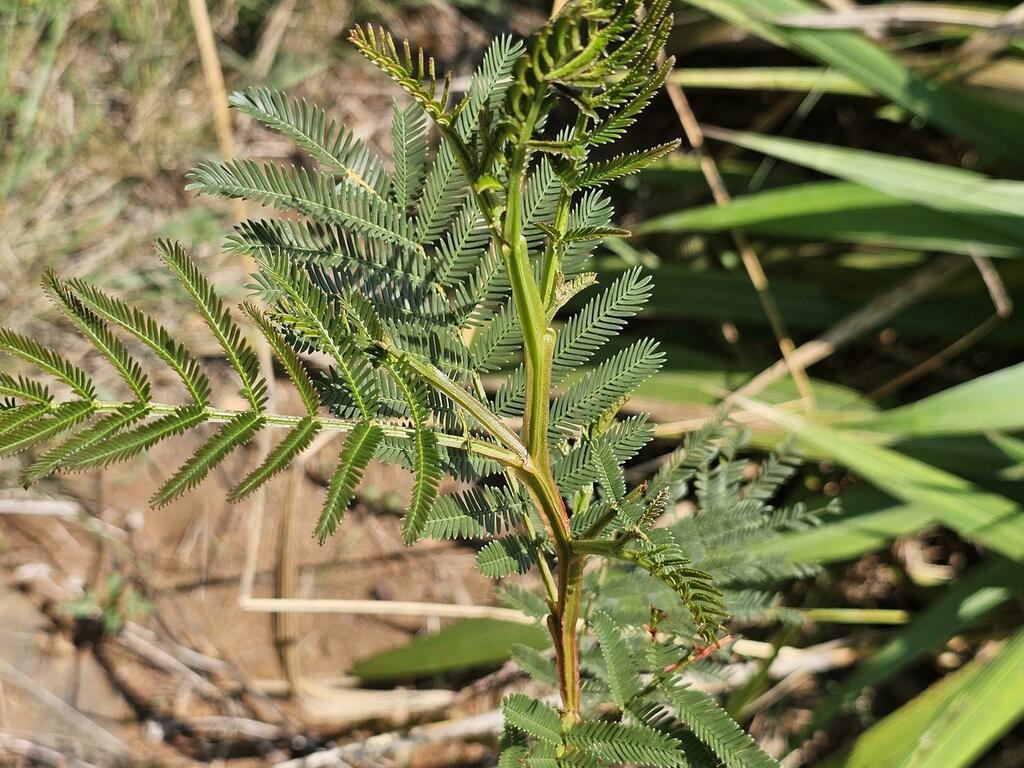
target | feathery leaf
[
  {"x": 60, "y": 419},
  {"x": 239, "y": 353},
  {"x": 307, "y": 192},
  {"x": 356, "y": 454},
  {"x": 313, "y": 131},
  {"x": 623, "y": 672},
  {"x": 609, "y": 473},
  {"x": 597, "y": 174},
  {"x": 409, "y": 138},
  {"x": 661, "y": 556},
  {"x": 289, "y": 359},
  {"x": 622, "y": 743},
  {"x": 291, "y": 445},
  {"x": 237, "y": 431},
  {"x": 149, "y": 332},
  {"x": 127, "y": 444},
  {"x": 100, "y": 335},
  {"x": 713, "y": 726},
  {"x": 106, "y": 427},
  {"x": 46, "y": 359},
  {"x": 475, "y": 513},
  {"x": 444, "y": 192},
  {"x": 24, "y": 389},
  {"x": 427, "y": 467},
  {"x": 417, "y": 75},
  {"x": 12, "y": 418},
  {"x": 505, "y": 556},
  {"x": 600, "y": 388},
  {"x": 601, "y": 319},
  {"x": 533, "y": 717},
  {"x": 309, "y": 310}
]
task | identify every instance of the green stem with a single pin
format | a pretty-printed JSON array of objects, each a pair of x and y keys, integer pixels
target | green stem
[
  {"x": 538, "y": 349},
  {"x": 550, "y": 588},
  {"x": 475, "y": 407},
  {"x": 555, "y": 249},
  {"x": 502, "y": 455},
  {"x": 562, "y": 624},
  {"x": 596, "y": 547}
]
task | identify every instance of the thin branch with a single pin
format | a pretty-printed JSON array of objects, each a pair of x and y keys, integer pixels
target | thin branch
[
  {"x": 871, "y": 315},
  {"x": 475, "y": 727},
  {"x": 1003, "y": 308},
  {"x": 897, "y": 14},
  {"x": 270, "y": 40},
  {"x": 37, "y": 754},
  {"x": 695, "y": 135},
  {"x": 979, "y": 49},
  {"x": 876, "y": 32},
  {"x": 382, "y": 608},
  {"x": 64, "y": 710},
  {"x": 161, "y": 659},
  {"x": 215, "y": 84}
]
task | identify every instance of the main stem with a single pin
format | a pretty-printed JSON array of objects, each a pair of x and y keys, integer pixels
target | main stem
[
  {"x": 538, "y": 350},
  {"x": 531, "y": 301}
]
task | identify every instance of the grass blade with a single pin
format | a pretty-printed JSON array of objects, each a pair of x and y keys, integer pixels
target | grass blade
[{"x": 971, "y": 511}]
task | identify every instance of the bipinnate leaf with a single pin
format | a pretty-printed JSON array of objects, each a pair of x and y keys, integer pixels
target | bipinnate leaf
[
  {"x": 236, "y": 432},
  {"x": 100, "y": 335},
  {"x": 106, "y": 427},
  {"x": 33, "y": 352},
  {"x": 533, "y": 717},
  {"x": 128, "y": 444},
  {"x": 237, "y": 350},
  {"x": 624, "y": 743},
  {"x": 283, "y": 454},
  {"x": 24, "y": 389},
  {"x": 505, "y": 556},
  {"x": 713, "y": 726},
  {"x": 623, "y": 672},
  {"x": 356, "y": 454},
  {"x": 43, "y": 425},
  {"x": 147, "y": 330}
]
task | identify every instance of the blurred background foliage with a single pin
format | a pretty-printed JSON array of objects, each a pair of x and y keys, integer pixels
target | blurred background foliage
[{"x": 871, "y": 159}]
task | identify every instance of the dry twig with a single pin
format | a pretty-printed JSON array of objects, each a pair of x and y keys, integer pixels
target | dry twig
[
  {"x": 695, "y": 135},
  {"x": 870, "y": 316},
  {"x": 898, "y": 14}
]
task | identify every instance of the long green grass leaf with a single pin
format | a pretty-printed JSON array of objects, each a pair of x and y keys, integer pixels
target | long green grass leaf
[
  {"x": 989, "y": 125},
  {"x": 989, "y": 402},
  {"x": 977, "y": 593},
  {"x": 953, "y": 722},
  {"x": 944, "y": 188},
  {"x": 971, "y": 511},
  {"x": 841, "y": 211}
]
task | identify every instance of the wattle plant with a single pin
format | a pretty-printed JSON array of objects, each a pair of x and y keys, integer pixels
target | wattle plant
[{"x": 415, "y": 283}]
